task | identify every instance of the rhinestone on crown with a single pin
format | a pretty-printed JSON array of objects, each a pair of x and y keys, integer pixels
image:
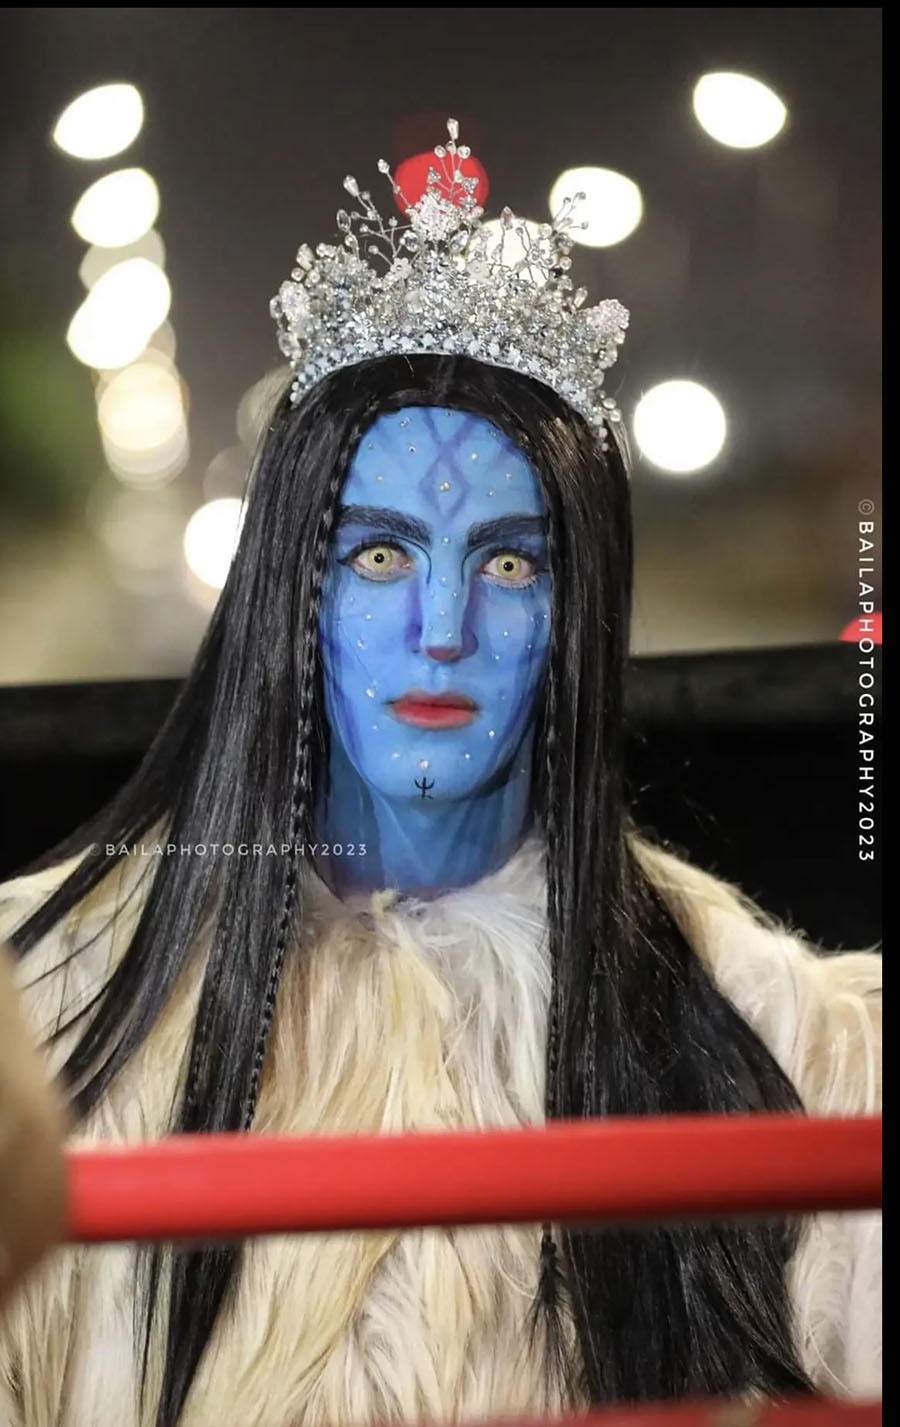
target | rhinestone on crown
[{"x": 443, "y": 282}]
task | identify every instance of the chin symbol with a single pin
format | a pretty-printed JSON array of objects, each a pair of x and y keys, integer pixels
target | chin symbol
[{"x": 423, "y": 786}]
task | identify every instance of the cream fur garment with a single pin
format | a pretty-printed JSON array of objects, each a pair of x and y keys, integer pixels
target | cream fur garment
[{"x": 398, "y": 1016}]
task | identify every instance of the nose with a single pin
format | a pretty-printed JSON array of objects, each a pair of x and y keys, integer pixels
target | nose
[{"x": 444, "y": 631}]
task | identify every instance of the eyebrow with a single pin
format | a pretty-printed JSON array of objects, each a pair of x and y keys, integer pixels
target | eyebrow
[
  {"x": 407, "y": 527},
  {"x": 505, "y": 527},
  {"x": 392, "y": 522}
]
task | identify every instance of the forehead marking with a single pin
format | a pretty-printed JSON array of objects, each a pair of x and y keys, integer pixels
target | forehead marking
[{"x": 443, "y": 486}]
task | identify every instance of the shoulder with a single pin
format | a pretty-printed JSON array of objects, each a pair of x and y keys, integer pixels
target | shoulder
[
  {"x": 64, "y": 971},
  {"x": 65, "y": 974},
  {"x": 819, "y": 1013}
]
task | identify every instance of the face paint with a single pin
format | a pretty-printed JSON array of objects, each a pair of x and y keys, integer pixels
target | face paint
[{"x": 436, "y": 613}]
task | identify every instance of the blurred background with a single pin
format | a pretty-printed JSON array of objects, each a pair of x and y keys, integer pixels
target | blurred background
[{"x": 159, "y": 168}]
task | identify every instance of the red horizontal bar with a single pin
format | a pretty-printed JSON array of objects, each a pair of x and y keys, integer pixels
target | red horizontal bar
[
  {"x": 720, "y": 1412},
  {"x": 229, "y": 1186},
  {"x": 714, "y": 1412}
]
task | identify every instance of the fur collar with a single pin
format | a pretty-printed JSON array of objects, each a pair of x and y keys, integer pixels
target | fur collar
[{"x": 400, "y": 1015}]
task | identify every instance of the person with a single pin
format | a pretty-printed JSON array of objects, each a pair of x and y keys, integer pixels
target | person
[{"x": 377, "y": 874}]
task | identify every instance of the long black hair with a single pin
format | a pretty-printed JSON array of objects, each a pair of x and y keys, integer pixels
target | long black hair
[{"x": 636, "y": 1025}]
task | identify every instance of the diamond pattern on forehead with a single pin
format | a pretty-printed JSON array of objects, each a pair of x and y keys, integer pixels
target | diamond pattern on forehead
[
  {"x": 401, "y": 438},
  {"x": 447, "y": 464},
  {"x": 421, "y": 434}
]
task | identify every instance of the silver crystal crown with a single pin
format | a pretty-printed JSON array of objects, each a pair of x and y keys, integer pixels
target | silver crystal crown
[{"x": 444, "y": 282}]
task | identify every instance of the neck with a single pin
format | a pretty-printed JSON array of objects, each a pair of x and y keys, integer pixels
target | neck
[{"x": 421, "y": 846}]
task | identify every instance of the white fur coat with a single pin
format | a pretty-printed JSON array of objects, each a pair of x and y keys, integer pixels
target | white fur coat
[{"x": 405, "y": 1016}]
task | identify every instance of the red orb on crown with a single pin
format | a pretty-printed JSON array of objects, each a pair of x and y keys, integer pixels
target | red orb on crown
[{"x": 411, "y": 177}]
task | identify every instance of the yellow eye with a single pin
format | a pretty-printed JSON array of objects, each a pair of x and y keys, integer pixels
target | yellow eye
[
  {"x": 381, "y": 562},
  {"x": 509, "y": 568}
]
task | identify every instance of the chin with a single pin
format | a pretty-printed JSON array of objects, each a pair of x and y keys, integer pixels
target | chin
[
  {"x": 450, "y": 785},
  {"x": 452, "y": 774}
]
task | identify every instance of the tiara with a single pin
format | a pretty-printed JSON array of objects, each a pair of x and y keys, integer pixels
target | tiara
[{"x": 444, "y": 282}]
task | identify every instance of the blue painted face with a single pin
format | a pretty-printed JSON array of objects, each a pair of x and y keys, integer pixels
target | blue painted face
[{"x": 436, "y": 608}]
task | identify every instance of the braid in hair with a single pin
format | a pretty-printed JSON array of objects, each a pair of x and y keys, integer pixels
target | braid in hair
[
  {"x": 298, "y": 808},
  {"x": 301, "y": 785}
]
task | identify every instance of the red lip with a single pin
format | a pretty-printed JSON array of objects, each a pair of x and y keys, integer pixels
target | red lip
[{"x": 434, "y": 710}]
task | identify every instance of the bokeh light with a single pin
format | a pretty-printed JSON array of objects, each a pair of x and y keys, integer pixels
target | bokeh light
[
  {"x": 611, "y": 209},
  {"x": 102, "y": 338},
  {"x": 98, "y": 261},
  {"x": 101, "y": 122},
  {"x": 680, "y": 426},
  {"x": 210, "y": 539},
  {"x": 118, "y": 209},
  {"x": 120, "y": 314},
  {"x": 150, "y": 468},
  {"x": 512, "y": 244},
  {"x": 142, "y": 407},
  {"x": 150, "y": 357},
  {"x": 411, "y": 176},
  {"x": 738, "y": 111}
]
